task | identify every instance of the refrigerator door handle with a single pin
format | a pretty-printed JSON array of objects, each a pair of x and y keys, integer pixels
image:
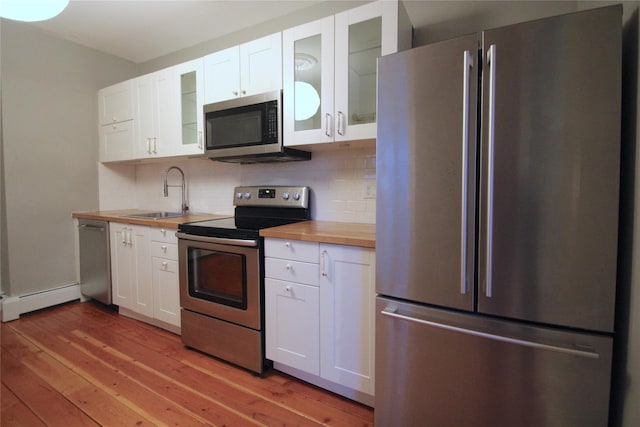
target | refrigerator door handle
[
  {"x": 491, "y": 62},
  {"x": 390, "y": 311},
  {"x": 468, "y": 64}
]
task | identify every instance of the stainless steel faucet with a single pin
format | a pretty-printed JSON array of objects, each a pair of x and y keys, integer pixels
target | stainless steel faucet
[{"x": 185, "y": 208}]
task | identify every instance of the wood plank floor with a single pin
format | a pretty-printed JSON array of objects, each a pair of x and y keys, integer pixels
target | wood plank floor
[{"x": 80, "y": 364}]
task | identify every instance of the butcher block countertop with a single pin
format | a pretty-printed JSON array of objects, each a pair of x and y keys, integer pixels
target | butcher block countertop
[
  {"x": 122, "y": 217},
  {"x": 340, "y": 233}
]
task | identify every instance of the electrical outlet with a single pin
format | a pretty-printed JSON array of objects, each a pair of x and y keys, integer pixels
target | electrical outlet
[{"x": 370, "y": 190}]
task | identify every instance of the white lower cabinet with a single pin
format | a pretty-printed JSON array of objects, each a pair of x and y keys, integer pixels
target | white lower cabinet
[
  {"x": 293, "y": 324},
  {"x": 164, "y": 276},
  {"x": 320, "y": 302},
  {"x": 144, "y": 272},
  {"x": 347, "y": 316},
  {"x": 131, "y": 268}
]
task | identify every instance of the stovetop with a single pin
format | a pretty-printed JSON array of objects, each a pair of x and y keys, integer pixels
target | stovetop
[{"x": 256, "y": 208}]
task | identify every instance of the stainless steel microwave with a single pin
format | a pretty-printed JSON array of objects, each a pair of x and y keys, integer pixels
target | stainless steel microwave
[{"x": 248, "y": 130}]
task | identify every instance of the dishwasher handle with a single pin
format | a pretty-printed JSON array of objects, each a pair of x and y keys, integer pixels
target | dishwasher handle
[{"x": 92, "y": 227}]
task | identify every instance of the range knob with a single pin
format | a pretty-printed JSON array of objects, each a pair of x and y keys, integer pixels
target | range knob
[
  {"x": 285, "y": 196},
  {"x": 247, "y": 196},
  {"x": 296, "y": 196},
  {"x": 238, "y": 195}
]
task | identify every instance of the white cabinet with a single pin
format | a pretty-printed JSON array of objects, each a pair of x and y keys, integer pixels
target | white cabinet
[
  {"x": 116, "y": 103},
  {"x": 292, "y": 301},
  {"x": 347, "y": 316},
  {"x": 320, "y": 314},
  {"x": 329, "y": 72},
  {"x": 164, "y": 276},
  {"x": 157, "y": 113},
  {"x": 248, "y": 69},
  {"x": 190, "y": 77},
  {"x": 116, "y": 126},
  {"x": 144, "y": 271},
  {"x": 131, "y": 268}
]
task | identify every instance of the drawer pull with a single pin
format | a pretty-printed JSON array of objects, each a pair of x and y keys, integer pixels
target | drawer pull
[
  {"x": 288, "y": 267},
  {"x": 288, "y": 244},
  {"x": 288, "y": 289}
]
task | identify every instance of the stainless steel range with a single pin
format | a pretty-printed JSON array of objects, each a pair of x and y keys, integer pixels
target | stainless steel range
[{"x": 221, "y": 264}]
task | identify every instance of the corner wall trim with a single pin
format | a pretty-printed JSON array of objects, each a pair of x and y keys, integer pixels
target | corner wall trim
[{"x": 13, "y": 307}]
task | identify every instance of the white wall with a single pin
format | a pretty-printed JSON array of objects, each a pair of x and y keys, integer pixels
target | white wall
[
  {"x": 50, "y": 147},
  {"x": 342, "y": 184}
]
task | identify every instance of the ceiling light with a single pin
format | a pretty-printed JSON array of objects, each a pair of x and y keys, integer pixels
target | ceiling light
[
  {"x": 304, "y": 61},
  {"x": 307, "y": 101},
  {"x": 31, "y": 10}
]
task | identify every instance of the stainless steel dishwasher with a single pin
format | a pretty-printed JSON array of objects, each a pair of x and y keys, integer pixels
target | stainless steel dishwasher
[{"x": 95, "y": 260}]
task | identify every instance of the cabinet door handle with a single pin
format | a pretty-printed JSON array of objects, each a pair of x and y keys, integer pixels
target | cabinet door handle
[
  {"x": 164, "y": 248},
  {"x": 327, "y": 125},
  {"x": 164, "y": 264},
  {"x": 244, "y": 92},
  {"x": 155, "y": 145},
  {"x": 200, "y": 140},
  {"x": 323, "y": 264},
  {"x": 235, "y": 93},
  {"x": 148, "y": 145},
  {"x": 341, "y": 123},
  {"x": 124, "y": 236},
  {"x": 129, "y": 241}
]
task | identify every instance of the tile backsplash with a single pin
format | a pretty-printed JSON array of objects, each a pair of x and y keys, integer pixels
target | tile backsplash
[{"x": 342, "y": 182}]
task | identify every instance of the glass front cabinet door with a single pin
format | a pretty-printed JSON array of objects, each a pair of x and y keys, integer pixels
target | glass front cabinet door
[
  {"x": 191, "y": 81},
  {"x": 329, "y": 70}
]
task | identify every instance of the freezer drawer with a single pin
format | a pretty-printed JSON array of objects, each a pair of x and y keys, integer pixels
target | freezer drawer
[{"x": 441, "y": 368}]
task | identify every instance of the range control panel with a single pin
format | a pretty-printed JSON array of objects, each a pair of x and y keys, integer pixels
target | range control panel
[{"x": 273, "y": 195}]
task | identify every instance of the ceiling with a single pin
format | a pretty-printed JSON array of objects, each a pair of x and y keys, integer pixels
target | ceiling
[{"x": 141, "y": 30}]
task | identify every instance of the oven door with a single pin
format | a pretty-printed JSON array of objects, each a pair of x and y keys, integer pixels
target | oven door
[{"x": 220, "y": 278}]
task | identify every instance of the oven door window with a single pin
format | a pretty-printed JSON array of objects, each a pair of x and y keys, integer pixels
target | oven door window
[{"x": 218, "y": 277}]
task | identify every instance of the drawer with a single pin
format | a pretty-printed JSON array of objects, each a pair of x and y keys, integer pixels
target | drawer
[
  {"x": 164, "y": 250},
  {"x": 296, "y": 250},
  {"x": 165, "y": 265},
  {"x": 292, "y": 271},
  {"x": 167, "y": 235}
]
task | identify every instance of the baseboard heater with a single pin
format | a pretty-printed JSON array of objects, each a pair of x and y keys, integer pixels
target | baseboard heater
[{"x": 13, "y": 307}]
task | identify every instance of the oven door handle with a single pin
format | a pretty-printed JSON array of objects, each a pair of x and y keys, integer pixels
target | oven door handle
[{"x": 219, "y": 240}]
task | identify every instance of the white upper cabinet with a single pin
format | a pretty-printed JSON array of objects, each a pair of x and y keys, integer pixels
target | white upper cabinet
[
  {"x": 116, "y": 103},
  {"x": 157, "y": 113},
  {"x": 329, "y": 72},
  {"x": 191, "y": 82},
  {"x": 116, "y": 132},
  {"x": 248, "y": 69},
  {"x": 308, "y": 72}
]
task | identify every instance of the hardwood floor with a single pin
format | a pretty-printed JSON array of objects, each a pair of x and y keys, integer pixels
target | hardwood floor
[{"x": 81, "y": 364}]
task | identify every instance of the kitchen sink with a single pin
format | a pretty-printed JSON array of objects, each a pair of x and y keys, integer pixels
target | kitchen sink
[{"x": 156, "y": 215}]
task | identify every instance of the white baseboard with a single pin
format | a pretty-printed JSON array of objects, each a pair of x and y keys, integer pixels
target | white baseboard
[{"x": 13, "y": 307}]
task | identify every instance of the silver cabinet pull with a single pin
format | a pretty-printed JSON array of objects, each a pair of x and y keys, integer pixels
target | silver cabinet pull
[
  {"x": 468, "y": 64},
  {"x": 323, "y": 264},
  {"x": 200, "y": 140},
  {"x": 327, "y": 125},
  {"x": 341, "y": 123},
  {"x": 491, "y": 62}
]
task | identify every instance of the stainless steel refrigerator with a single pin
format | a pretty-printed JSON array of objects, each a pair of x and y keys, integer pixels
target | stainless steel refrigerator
[{"x": 497, "y": 217}]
